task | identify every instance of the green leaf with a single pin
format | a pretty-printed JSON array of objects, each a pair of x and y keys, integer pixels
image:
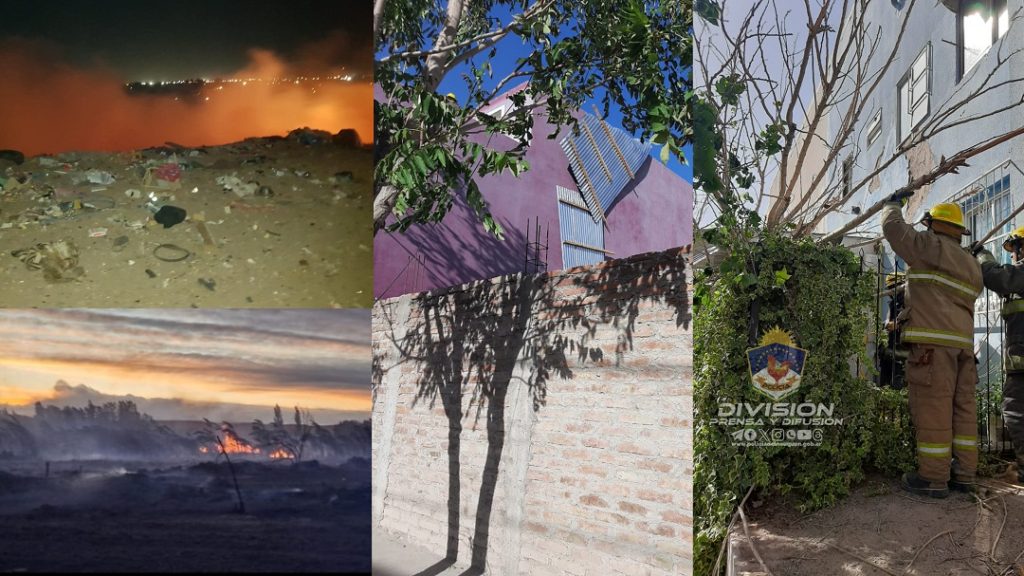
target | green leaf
[
  {"x": 707, "y": 10},
  {"x": 781, "y": 276},
  {"x": 730, "y": 88}
]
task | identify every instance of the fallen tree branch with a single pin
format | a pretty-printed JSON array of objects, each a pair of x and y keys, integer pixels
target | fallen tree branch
[
  {"x": 947, "y": 166},
  {"x": 750, "y": 541},
  {"x": 728, "y": 529},
  {"x": 862, "y": 559},
  {"x": 999, "y": 534},
  {"x": 921, "y": 549}
]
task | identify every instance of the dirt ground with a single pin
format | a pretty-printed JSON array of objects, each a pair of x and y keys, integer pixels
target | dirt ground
[
  {"x": 302, "y": 240},
  {"x": 117, "y": 517},
  {"x": 393, "y": 557},
  {"x": 890, "y": 530}
]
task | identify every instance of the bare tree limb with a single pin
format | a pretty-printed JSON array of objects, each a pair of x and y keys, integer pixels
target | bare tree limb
[{"x": 946, "y": 166}]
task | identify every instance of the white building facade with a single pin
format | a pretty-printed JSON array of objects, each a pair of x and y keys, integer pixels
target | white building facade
[{"x": 949, "y": 50}]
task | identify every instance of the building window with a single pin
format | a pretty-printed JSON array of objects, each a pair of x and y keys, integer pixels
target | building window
[
  {"x": 875, "y": 128},
  {"x": 989, "y": 202},
  {"x": 582, "y": 236},
  {"x": 847, "y": 175},
  {"x": 915, "y": 94},
  {"x": 979, "y": 23}
]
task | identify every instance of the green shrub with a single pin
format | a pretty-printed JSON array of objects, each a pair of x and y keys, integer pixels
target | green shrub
[{"x": 820, "y": 294}]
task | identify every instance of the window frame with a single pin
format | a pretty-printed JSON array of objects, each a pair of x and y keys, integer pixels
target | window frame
[
  {"x": 995, "y": 8},
  {"x": 908, "y": 80},
  {"x": 874, "y": 127}
]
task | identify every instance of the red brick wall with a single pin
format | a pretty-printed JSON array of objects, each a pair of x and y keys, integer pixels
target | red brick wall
[{"x": 541, "y": 424}]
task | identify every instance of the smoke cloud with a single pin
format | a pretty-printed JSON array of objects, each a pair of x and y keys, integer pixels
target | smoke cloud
[{"x": 49, "y": 106}]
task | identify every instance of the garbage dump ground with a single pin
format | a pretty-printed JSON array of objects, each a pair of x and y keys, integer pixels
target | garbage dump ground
[
  {"x": 266, "y": 222},
  {"x": 883, "y": 530}
]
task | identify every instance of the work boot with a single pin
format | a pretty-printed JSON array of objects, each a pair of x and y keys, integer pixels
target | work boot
[
  {"x": 914, "y": 484},
  {"x": 962, "y": 483},
  {"x": 959, "y": 480}
]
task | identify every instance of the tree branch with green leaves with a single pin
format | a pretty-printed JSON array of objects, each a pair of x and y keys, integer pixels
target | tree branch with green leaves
[{"x": 632, "y": 55}]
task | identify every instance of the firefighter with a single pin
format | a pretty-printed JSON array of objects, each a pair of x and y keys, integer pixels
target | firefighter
[
  {"x": 943, "y": 281},
  {"x": 893, "y": 354},
  {"x": 1007, "y": 280}
]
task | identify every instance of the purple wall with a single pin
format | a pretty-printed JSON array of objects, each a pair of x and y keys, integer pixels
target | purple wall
[{"x": 654, "y": 212}]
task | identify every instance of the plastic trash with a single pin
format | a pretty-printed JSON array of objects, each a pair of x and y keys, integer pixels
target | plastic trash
[
  {"x": 170, "y": 215},
  {"x": 57, "y": 260},
  {"x": 99, "y": 177},
  {"x": 168, "y": 172}
]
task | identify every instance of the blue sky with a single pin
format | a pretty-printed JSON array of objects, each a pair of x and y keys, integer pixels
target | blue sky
[{"x": 511, "y": 48}]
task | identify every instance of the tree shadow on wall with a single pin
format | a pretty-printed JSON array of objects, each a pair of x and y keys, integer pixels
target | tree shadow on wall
[{"x": 468, "y": 342}]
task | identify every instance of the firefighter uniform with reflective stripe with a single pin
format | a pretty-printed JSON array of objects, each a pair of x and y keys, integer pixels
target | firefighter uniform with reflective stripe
[
  {"x": 1007, "y": 280},
  {"x": 943, "y": 281}
]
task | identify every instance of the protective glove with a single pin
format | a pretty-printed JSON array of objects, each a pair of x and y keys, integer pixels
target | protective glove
[
  {"x": 983, "y": 255},
  {"x": 900, "y": 198}
]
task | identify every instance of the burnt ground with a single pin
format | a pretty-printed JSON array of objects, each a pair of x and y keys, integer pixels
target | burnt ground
[
  {"x": 302, "y": 239},
  {"x": 886, "y": 527},
  {"x": 124, "y": 517}
]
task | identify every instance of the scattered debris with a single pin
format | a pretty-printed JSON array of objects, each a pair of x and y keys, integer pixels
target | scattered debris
[
  {"x": 57, "y": 260},
  {"x": 310, "y": 137},
  {"x": 209, "y": 284},
  {"x": 167, "y": 172},
  {"x": 241, "y": 189},
  {"x": 273, "y": 189},
  {"x": 99, "y": 177}
]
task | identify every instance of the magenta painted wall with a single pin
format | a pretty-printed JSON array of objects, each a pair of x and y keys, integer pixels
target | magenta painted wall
[{"x": 654, "y": 213}]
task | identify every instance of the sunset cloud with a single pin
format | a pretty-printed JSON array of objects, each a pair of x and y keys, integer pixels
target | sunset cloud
[{"x": 317, "y": 359}]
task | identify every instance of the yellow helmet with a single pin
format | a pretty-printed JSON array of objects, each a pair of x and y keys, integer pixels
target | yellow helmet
[
  {"x": 1013, "y": 238},
  {"x": 950, "y": 214},
  {"x": 893, "y": 278}
]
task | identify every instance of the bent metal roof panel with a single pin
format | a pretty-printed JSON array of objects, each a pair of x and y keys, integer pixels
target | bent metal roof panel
[{"x": 603, "y": 160}]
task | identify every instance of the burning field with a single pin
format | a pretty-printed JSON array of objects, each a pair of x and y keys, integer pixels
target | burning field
[{"x": 105, "y": 488}]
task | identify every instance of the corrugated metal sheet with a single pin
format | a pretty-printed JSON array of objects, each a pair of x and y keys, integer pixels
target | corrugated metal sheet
[
  {"x": 582, "y": 238},
  {"x": 604, "y": 160}
]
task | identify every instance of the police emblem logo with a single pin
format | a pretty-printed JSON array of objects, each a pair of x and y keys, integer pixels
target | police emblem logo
[{"x": 777, "y": 365}]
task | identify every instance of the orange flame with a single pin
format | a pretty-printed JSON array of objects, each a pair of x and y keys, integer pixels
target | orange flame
[
  {"x": 232, "y": 444},
  {"x": 280, "y": 453}
]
